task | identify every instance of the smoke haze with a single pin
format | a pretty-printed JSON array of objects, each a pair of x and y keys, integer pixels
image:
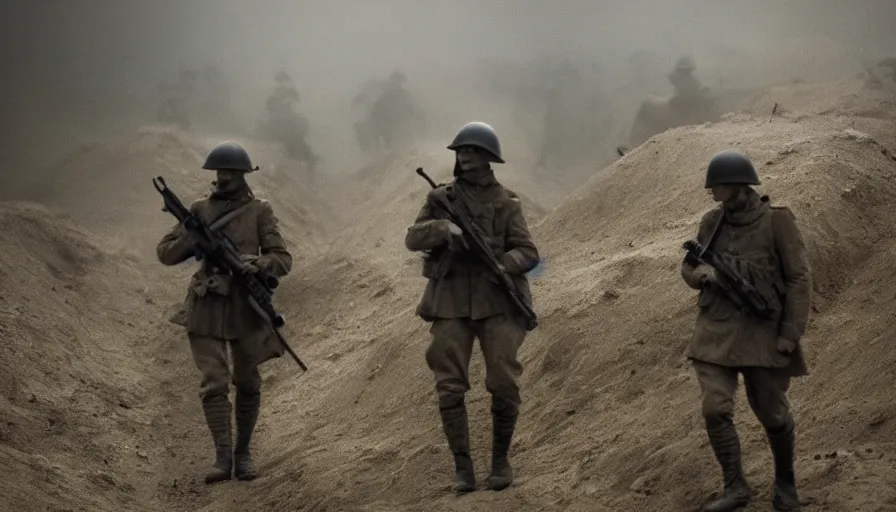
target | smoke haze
[{"x": 76, "y": 71}]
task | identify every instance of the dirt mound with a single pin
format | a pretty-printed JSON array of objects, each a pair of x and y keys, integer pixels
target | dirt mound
[
  {"x": 610, "y": 416},
  {"x": 107, "y": 186},
  {"x": 611, "y": 409},
  {"x": 613, "y": 251},
  {"x": 860, "y": 96},
  {"x": 72, "y": 367}
]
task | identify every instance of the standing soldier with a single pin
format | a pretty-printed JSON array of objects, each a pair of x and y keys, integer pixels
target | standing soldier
[
  {"x": 763, "y": 244},
  {"x": 217, "y": 315},
  {"x": 463, "y": 302}
]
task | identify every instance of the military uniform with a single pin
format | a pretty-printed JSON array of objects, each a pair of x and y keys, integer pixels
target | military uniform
[
  {"x": 763, "y": 243},
  {"x": 216, "y": 315},
  {"x": 463, "y": 302}
]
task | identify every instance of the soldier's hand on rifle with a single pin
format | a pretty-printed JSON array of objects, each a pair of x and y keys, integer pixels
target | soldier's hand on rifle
[
  {"x": 707, "y": 275},
  {"x": 785, "y": 346},
  {"x": 189, "y": 228},
  {"x": 456, "y": 237},
  {"x": 250, "y": 264}
]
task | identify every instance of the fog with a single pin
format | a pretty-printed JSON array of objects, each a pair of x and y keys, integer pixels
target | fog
[{"x": 77, "y": 71}]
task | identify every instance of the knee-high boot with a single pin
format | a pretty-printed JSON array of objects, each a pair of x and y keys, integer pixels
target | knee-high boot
[
  {"x": 247, "y": 405},
  {"x": 782, "y": 441},
  {"x": 217, "y": 416},
  {"x": 726, "y": 445},
  {"x": 504, "y": 418},
  {"x": 455, "y": 425}
]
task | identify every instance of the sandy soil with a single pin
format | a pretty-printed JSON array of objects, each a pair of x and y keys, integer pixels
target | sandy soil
[{"x": 99, "y": 401}]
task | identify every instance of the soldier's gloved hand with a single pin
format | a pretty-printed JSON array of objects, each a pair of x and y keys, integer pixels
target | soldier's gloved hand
[
  {"x": 707, "y": 275},
  {"x": 188, "y": 235},
  {"x": 456, "y": 236},
  {"x": 250, "y": 264},
  {"x": 785, "y": 346}
]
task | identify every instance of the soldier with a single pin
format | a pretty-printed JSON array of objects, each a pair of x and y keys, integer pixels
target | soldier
[
  {"x": 285, "y": 96},
  {"x": 462, "y": 303},
  {"x": 217, "y": 316},
  {"x": 691, "y": 103},
  {"x": 764, "y": 244},
  {"x": 394, "y": 115},
  {"x": 890, "y": 63},
  {"x": 285, "y": 124}
]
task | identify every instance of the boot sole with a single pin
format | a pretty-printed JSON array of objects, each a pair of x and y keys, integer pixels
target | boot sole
[
  {"x": 732, "y": 508},
  {"x": 497, "y": 487},
  {"x": 209, "y": 481}
]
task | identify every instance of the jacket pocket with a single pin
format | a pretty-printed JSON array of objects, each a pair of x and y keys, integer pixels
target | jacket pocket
[
  {"x": 216, "y": 283},
  {"x": 715, "y": 305},
  {"x": 437, "y": 263}
]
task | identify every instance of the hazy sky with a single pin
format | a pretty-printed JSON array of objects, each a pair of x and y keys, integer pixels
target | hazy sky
[{"x": 80, "y": 65}]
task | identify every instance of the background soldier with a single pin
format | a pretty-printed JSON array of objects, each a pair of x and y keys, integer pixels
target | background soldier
[
  {"x": 463, "y": 303},
  {"x": 691, "y": 103},
  {"x": 175, "y": 95},
  {"x": 889, "y": 63},
  {"x": 285, "y": 124},
  {"x": 392, "y": 118},
  {"x": 764, "y": 245},
  {"x": 215, "y": 315}
]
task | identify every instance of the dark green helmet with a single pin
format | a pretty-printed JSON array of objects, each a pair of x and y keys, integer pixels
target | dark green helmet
[
  {"x": 480, "y": 135},
  {"x": 228, "y": 155},
  {"x": 731, "y": 167}
]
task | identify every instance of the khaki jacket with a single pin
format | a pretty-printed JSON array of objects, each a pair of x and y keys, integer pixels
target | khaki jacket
[
  {"x": 459, "y": 285},
  {"x": 768, "y": 248},
  {"x": 213, "y": 307}
]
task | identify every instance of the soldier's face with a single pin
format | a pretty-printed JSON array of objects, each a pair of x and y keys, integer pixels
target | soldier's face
[
  {"x": 722, "y": 193},
  {"x": 471, "y": 159},
  {"x": 228, "y": 179}
]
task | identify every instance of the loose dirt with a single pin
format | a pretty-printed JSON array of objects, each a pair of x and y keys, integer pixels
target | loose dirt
[{"x": 99, "y": 407}]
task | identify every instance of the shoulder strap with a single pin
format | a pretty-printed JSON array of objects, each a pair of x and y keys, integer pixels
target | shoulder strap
[
  {"x": 715, "y": 231},
  {"x": 775, "y": 212},
  {"x": 225, "y": 219}
]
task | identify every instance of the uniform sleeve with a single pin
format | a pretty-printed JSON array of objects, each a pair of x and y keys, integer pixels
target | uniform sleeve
[
  {"x": 427, "y": 232},
  {"x": 795, "y": 270},
  {"x": 275, "y": 258},
  {"x": 521, "y": 254},
  {"x": 691, "y": 273},
  {"x": 175, "y": 247}
]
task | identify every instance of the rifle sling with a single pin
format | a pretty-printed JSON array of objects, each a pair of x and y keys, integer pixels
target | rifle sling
[
  {"x": 715, "y": 231},
  {"x": 225, "y": 219}
]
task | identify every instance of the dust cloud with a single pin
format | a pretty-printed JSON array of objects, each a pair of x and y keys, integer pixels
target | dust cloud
[
  {"x": 80, "y": 71},
  {"x": 98, "y": 403}
]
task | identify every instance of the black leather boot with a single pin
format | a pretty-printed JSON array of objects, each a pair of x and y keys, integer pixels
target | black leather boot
[
  {"x": 503, "y": 424},
  {"x": 456, "y": 428},
  {"x": 782, "y": 441},
  {"x": 726, "y": 445},
  {"x": 247, "y": 405},
  {"x": 217, "y": 416}
]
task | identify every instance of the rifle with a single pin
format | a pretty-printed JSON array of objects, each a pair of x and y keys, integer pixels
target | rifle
[
  {"x": 741, "y": 291},
  {"x": 220, "y": 251},
  {"x": 480, "y": 248}
]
